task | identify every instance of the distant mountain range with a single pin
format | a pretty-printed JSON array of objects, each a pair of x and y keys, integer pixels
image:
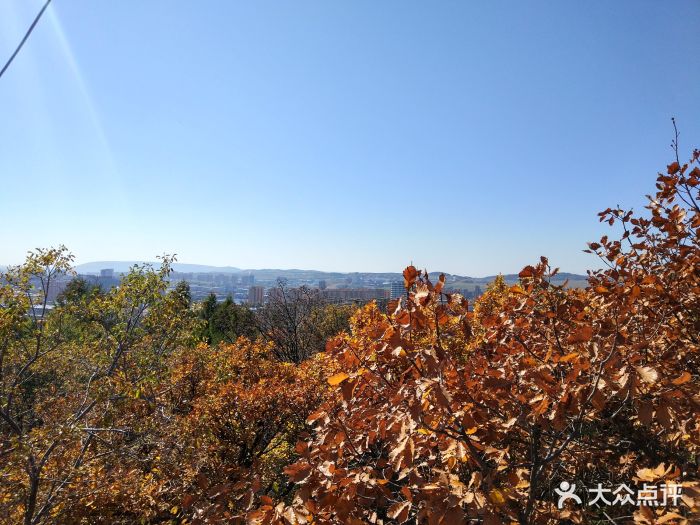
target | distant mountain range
[
  {"x": 271, "y": 274},
  {"x": 123, "y": 266}
]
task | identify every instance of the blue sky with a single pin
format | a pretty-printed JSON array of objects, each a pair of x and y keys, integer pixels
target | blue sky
[{"x": 468, "y": 137}]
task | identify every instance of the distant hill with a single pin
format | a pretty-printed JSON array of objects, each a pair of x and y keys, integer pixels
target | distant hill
[
  {"x": 561, "y": 276},
  {"x": 271, "y": 274},
  {"x": 300, "y": 274},
  {"x": 573, "y": 278},
  {"x": 123, "y": 266}
]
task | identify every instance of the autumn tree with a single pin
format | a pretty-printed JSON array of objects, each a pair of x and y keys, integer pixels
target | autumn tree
[
  {"x": 65, "y": 373},
  {"x": 583, "y": 386},
  {"x": 298, "y": 322},
  {"x": 486, "y": 306},
  {"x": 112, "y": 414},
  {"x": 214, "y": 438}
]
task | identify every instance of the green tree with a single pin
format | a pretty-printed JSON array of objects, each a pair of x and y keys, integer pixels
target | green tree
[
  {"x": 225, "y": 321},
  {"x": 65, "y": 375},
  {"x": 182, "y": 293},
  {"x": 77, "y": 290},
  {"x": 231, "y": 321}
]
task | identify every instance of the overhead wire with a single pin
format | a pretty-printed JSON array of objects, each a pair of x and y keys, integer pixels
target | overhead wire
[{"x": 26, "y": 36}]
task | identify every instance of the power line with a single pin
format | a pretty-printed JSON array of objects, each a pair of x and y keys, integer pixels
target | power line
[{"x": 29, "y": 32}]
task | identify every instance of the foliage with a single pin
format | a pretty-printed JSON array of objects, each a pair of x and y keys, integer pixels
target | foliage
[
  {"x": 77, "y": 290},
  {"x": 221, "y": 426},
  {"x": 65, "y": 375},
  {"x": 486, "y": 306},
  {"x": 585, "y": 386},
  {"x": 226, "y": 321},
  {"x": 297, "y": 321}
]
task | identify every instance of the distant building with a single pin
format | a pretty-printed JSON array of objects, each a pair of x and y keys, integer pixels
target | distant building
[
  {"x": 397, "y": 290},
  {"x": 256, "y": 294},
  {"x": 106, "y": 280},
  {"x": 38, "y": 311},
  {"x": 56, "y": 287},
  {"x": 322, "y": 285},
  {"x": 342, "y": 295},
  {"x": 275, "y": 295}
]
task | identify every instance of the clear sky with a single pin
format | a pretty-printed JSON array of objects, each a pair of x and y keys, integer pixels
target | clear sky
[{"x": 468, "y": 137}]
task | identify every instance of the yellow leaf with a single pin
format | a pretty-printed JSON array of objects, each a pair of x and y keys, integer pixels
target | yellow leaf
[
  {"x": 497, "y": 497},
  {"x": 668, "y": 517},
  {"x": 336, "y": 379}
]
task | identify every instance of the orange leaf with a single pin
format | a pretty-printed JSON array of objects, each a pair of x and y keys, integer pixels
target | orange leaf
[
  {"x": 569, "y": 357},
  {"x": 682, "y": 379},
  {"x": 541, "y": 407},
  {"x": 583, "y": 334},
  {"x": 441, "y": 283},
  {"x": 297, "y": 471},
  {"x": 636, "y": 291},
  {"x": 409, "y": 276},
  {"x": 399, "y": 511},
  {"x": 645, "y": 413},
  {"x": 528, "y": 271}
]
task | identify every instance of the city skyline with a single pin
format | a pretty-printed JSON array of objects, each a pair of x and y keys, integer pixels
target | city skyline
[{"x": 469, "y": 139}]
